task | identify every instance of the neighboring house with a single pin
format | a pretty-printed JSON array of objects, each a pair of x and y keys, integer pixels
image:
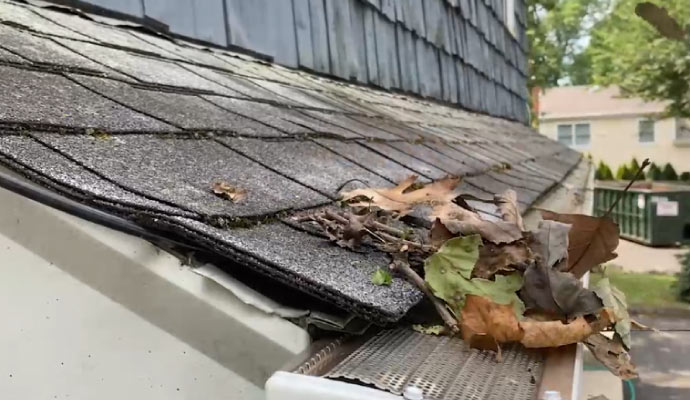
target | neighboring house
[
  {"x": 145, "y": 284},
  {"x": 612, "y": 128}
]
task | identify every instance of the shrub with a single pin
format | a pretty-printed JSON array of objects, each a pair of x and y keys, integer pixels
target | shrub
[
  {"x": 685, "y": 176},
  {"x": 654, "y": 173},
  {"x": 603, "y": 172},
  {"x": 684, "y": 278},
  {"x": 668, "y": 173},
  {"x": 623, "y": 173},
  {"x": 634, "y": 167}
]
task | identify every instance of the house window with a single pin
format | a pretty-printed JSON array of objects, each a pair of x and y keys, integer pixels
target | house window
[
  {"x": 565, "y": 134},
  {"x": 577, "y": 135},
  {"x": 683, "y": 130},
  {"x": 646, "y": 131},
  {"x": 582, "y": 135}
]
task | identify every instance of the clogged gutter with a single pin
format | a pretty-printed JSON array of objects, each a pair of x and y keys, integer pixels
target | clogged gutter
[{"x": 491, "y": 281}]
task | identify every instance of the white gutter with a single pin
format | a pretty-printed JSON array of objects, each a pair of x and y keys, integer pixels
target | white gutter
[{"x": 126, "y": 296}]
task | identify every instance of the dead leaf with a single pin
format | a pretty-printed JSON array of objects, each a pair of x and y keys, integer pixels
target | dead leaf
[
  {"x": 592, "y": 240},
  {"x": 658, "y": 17},
  {"x": 507, "y": 205},
  {"x": 439, "y": 234},
  {"x": 464, "y": 222},
  {"x": 403, "y": 197},
  {"x": 615, "y": 300},
  {"x": 550, "y": 242},
  {"x": 228, "y": 191},
  {"x": 487, "y": 323},
  {"x": 556, "y": 292},
  {"x": 502, "y": 258},
  {"x": 612, "y": 354},
  {"x": 553, "y": 333}
]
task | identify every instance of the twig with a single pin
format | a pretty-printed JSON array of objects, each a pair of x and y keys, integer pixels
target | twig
[
  {"x": 388, "y": 229},
  {"x": 644, "y": 165},
  {"x": 411, "y": 244},
  {"x": 335, "y": 216},
  {"x": 404, "y": 268}
]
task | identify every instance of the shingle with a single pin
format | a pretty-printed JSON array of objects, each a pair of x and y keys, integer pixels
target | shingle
[
  {"x": 335, "y": 274},
  {"x": 23, "y": 16},
  {"x": 371, "y": 160},
  {"x": 11, "y": 57},
  {"x": 98, "y": 32},
  {"x": 351, "y": 124},
  {"x": 295, "y": 95},
  {"x": 447, "y": 164},
  {"x": 280, "y": 118},
  {"x": 43, "y": 50},
  {"x": 180, "y": 171},
  {"x": 146, "y": 69},
  {"x": 183, "y": 111},
  {"x": 36, "y": 97},
  {"x": 307, "y": 163},
  {"x": 418, "y": 166},
  {"x": 57, "y": 169}
]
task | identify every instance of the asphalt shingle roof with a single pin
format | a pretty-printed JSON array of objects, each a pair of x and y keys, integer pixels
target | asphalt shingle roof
[{"x": 142, "y": 125}]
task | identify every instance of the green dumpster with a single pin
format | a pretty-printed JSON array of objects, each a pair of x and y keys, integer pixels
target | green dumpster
[{"x": 656, "y": 214}]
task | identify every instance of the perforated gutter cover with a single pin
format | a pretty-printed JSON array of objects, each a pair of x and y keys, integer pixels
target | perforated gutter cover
[{"x": 140, "y": 126}]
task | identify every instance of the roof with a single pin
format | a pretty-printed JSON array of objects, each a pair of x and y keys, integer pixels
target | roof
[
  {"x": 592, "y": 101},
  {"x": 141, "y": 125}
]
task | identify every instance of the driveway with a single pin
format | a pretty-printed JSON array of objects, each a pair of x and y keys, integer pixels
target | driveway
[
  {"x": 663, "y": 359},
  {"x": 634, "y": 257}
]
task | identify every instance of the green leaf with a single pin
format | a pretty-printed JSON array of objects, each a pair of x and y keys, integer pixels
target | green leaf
[
  {"x": 448, "y": 273},
  {"x": 430, "y": 329},
  {"x": 614, "y": 299},
  {"x": 381, "y": 277}
]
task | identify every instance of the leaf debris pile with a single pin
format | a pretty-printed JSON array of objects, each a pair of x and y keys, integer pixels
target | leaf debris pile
[{"x": 491, "y": 281}]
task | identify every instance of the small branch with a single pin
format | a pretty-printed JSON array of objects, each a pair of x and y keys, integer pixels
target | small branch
[
  {"x": 644, "y": 165},
  {"x": 388, "y": 229},
  {"x": 410, "y": 244},
  {"x": 448, "y": 319},
  {"x": 335, "y": 216}
]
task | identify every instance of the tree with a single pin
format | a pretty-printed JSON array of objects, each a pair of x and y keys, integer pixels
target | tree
[
  {"x": 627, "y": 51},
  {"x": 623, "y": 173},
  {"x": 634, "y": 167},
  {"x": 555, "y": 29},
  {"x": 668, "y": 173},
  {"x": 654, "y": 173},
  {"x": 684, "y": 277},
  {"x": 685, "y": 176},
  {"x": 603, "y": 172}
]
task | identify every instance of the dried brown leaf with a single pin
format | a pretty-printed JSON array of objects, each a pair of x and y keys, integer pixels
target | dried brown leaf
[
  {"x": 550, "y": 242},
  {"x": 507, "y": 205},
  {"x": 228, "y": 191},
  {"x": 439, "y": 234},
  {"x": 485, "y": 323},
  {"x": 553, "y": 333},
  {"x": 612, "y": 354},
  {"x": 556, "y": 292},
  {"x": 464, "y": 222},
  {"x": 403, "y": 197},
  {"x": 592, "y": 240},
  {"x": 502, "y": 258}
]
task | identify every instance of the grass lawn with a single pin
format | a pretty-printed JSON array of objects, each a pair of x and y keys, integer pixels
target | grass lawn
[{"x": 650, "y": 290}]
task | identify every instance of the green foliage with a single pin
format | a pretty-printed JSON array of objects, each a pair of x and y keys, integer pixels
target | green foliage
[
  {"x": 683, "y": 284},
  {"x": 554, "y": 31},
  {"x": 448, "y": 273},
  {"x": 626, "y": 51},
  {"x": 603, "y": 172},
  {"x": 685, "y": 176},
  {"x": 654, "y": 173},
  {"x": 623, "y": 173},
  {"x": 381, "y": 277},
  {"x": 668, "y": 173},
  {"x": 634, "y": 167}
]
